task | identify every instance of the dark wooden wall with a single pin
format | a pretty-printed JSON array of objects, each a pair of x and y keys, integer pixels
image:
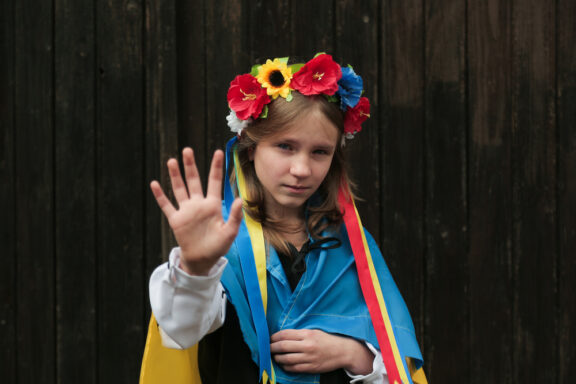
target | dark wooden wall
[{"x": 467, "y": 168}]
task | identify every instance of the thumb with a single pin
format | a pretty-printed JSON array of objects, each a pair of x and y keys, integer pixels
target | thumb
[{"x": 235, "y": 217}]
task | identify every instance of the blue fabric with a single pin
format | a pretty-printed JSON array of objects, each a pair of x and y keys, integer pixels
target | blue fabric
[
  {"x": 228, "y": 195},
  {"x": 317, "y": 303},
  {"x": 252, "y": 291}
]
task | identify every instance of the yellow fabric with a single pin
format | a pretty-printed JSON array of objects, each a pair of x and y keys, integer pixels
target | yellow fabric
[
  {"x": 256, "y": 236},
  {"x": 162, "y": 365},
  {"x": 165, "y": 365},
  {"x": 258, "y": 249},
  {"x": 418, "y": 376}
]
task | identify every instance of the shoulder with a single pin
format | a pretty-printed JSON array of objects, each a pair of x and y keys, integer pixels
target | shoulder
[{"x": 342, "y": 234}]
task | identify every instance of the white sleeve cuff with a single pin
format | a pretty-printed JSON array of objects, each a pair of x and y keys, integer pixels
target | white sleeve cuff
[
  {"x": 186, "y": 307},
  {"x": 378, "y": 374},
  {"x": 193, "y": 282}
]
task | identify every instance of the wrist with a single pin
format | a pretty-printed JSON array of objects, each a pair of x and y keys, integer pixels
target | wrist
[
  {"x": 359, "y": 359},
  {"x": 196, "y": 268}
]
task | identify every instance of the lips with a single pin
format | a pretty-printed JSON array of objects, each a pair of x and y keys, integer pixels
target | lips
[{"x": 296, "y": 188}]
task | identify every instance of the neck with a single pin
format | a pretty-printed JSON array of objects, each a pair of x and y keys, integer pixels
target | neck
[
  {"x": 293, "y": 217},
  {"x": 289, "y": 224}
]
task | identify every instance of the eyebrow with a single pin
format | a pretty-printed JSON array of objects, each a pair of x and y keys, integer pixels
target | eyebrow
[
  {"x": 293, "y": 141},
  {"x": 325, "y": 147}
]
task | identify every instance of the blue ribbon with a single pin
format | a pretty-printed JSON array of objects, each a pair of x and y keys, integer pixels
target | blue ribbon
[{"x": 249, "y": 273}]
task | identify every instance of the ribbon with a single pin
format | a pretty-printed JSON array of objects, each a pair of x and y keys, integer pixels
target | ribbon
[
  {"x": 396, "y": 368},
  {"x": 253, "y": 263},
  {"x": 250, "y": 242}
]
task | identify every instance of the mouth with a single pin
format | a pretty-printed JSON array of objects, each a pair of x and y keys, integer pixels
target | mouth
[{"x": 296, "y": 188}]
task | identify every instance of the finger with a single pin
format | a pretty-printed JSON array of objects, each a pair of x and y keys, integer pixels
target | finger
[
  {"x": 163, "y": 202},
  {"x": 301, "y": 368},
  {"x": 289, "y": 334},
  {"x": 191, "y": 172},
  {"x": 215, "y": 176},
  {"x": 233, "y": 224},
  {"x": 286, "y": 346},
  {"x": 290, "y": 359},
  {"x": 178, "y": 187}
]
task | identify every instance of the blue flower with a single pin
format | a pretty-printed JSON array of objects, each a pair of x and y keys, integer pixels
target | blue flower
[{"x": 350, "y": 88}]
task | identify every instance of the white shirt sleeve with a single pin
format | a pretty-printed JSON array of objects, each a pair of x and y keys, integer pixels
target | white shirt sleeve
[
  {"x": 189, "y": 307},
  {"x": 378, "y": 374},
  {"x": 186, "y": 307}
]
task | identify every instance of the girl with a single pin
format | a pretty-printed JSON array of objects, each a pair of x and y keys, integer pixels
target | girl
[{"x": 278, "y": 284}]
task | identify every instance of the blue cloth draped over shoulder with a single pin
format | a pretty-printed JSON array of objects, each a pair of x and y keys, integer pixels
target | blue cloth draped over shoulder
[{"x": 317, "y": 301}]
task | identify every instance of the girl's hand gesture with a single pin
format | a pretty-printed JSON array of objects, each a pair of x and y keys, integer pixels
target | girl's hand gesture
[
  {"x": 197, "y": 222},
  {"x": 315, "y": 351}
]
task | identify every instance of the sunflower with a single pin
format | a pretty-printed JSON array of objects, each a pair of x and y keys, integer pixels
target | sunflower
[{"x": 275, "y": 76}]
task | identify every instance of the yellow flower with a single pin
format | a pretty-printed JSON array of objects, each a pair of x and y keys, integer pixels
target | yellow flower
[{"x": 275, "y": 76}]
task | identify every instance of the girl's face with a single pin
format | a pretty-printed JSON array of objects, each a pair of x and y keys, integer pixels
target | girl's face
[{"x": 292, "y": 164}]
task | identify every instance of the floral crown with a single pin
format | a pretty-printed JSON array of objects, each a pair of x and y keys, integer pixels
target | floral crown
[{"x": 249, "y": 94}]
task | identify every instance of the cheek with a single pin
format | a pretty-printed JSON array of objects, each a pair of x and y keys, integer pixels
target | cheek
[
  {"x": 324, "y": 169},
  {"x": 266, "y": 169}
]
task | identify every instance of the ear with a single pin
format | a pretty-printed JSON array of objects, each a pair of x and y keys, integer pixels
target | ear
[{"x": 251, "y": 153}]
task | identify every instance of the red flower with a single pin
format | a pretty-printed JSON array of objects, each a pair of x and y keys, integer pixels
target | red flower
[
  {"x": 246, "y": 96},
  {"x": 318, "y": 76},
  {"x": 356, "y": 116}
]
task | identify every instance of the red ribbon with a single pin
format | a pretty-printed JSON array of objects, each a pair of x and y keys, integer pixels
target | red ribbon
[{"x": 354, "y": 229}]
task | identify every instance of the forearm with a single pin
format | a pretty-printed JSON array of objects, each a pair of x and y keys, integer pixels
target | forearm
[
  {"x": 376, "y": 373},
  {"x": 186, "y": 307}
]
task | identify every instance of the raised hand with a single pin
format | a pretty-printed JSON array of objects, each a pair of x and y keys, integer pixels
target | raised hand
[
  {"x": 197, "y": 222},
  {"x": 315, "y": 351}
]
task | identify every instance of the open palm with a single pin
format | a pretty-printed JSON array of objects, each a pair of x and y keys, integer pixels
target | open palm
[{"x": 197, "y": 222}]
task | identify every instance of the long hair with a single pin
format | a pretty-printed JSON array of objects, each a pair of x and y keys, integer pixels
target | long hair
[{"x": 323, "y": 212}]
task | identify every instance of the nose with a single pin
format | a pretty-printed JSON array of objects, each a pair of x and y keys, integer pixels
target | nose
[{"x": 300, "y": 166}]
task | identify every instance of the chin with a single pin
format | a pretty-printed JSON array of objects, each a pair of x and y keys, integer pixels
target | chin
[{"x": 294, "y": 203}]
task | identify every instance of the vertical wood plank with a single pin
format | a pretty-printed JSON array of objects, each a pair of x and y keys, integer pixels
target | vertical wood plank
[
  {"x": 489, "y": 58},
  {"x": 566, "y": 203},
  {"x": 229, "y": 55},
  {"x": 402, "y": 150},
  {"x": 269, "y": 30},
  {"x": 534, "y": 192},
  {"x": 191, "y": 74},
  {"x": 356, "y": 43},
  {"x": 312, "y": 27},
  {"x": 446, "y": 306},
  {"x": 161, "y": 137},
  {"x": 75, "y": 192},
  {"x": 8, "y": 303},
  {"x": 34, "y": 185},
  {"x": 120, "y": 201}
]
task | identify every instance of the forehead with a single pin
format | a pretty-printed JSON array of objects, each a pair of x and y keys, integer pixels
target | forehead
[{"x": 311, "y": 127}]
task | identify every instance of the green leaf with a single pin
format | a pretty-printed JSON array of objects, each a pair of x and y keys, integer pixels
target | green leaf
[
  {"x": 254, "y": 71},
  {"x": 264, "y": 113},
  {"x": 296, "y": 67},
  {"x": 332, "y": 98}
]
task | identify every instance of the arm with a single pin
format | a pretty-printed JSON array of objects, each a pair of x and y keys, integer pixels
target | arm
[
  {"x": 185, "y": 294},
  {"x": 315, "y": 351},
  {"x": 378, "y": 374},
  {"x": 186, "y": 307}
]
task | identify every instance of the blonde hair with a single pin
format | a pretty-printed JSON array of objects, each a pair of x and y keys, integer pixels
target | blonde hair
[{"x": 281, "y": 114}]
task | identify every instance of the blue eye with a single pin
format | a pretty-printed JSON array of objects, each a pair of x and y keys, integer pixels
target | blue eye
[
  {"x": 284, "y": 146},
  {"x": 323, "y": 151}
]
